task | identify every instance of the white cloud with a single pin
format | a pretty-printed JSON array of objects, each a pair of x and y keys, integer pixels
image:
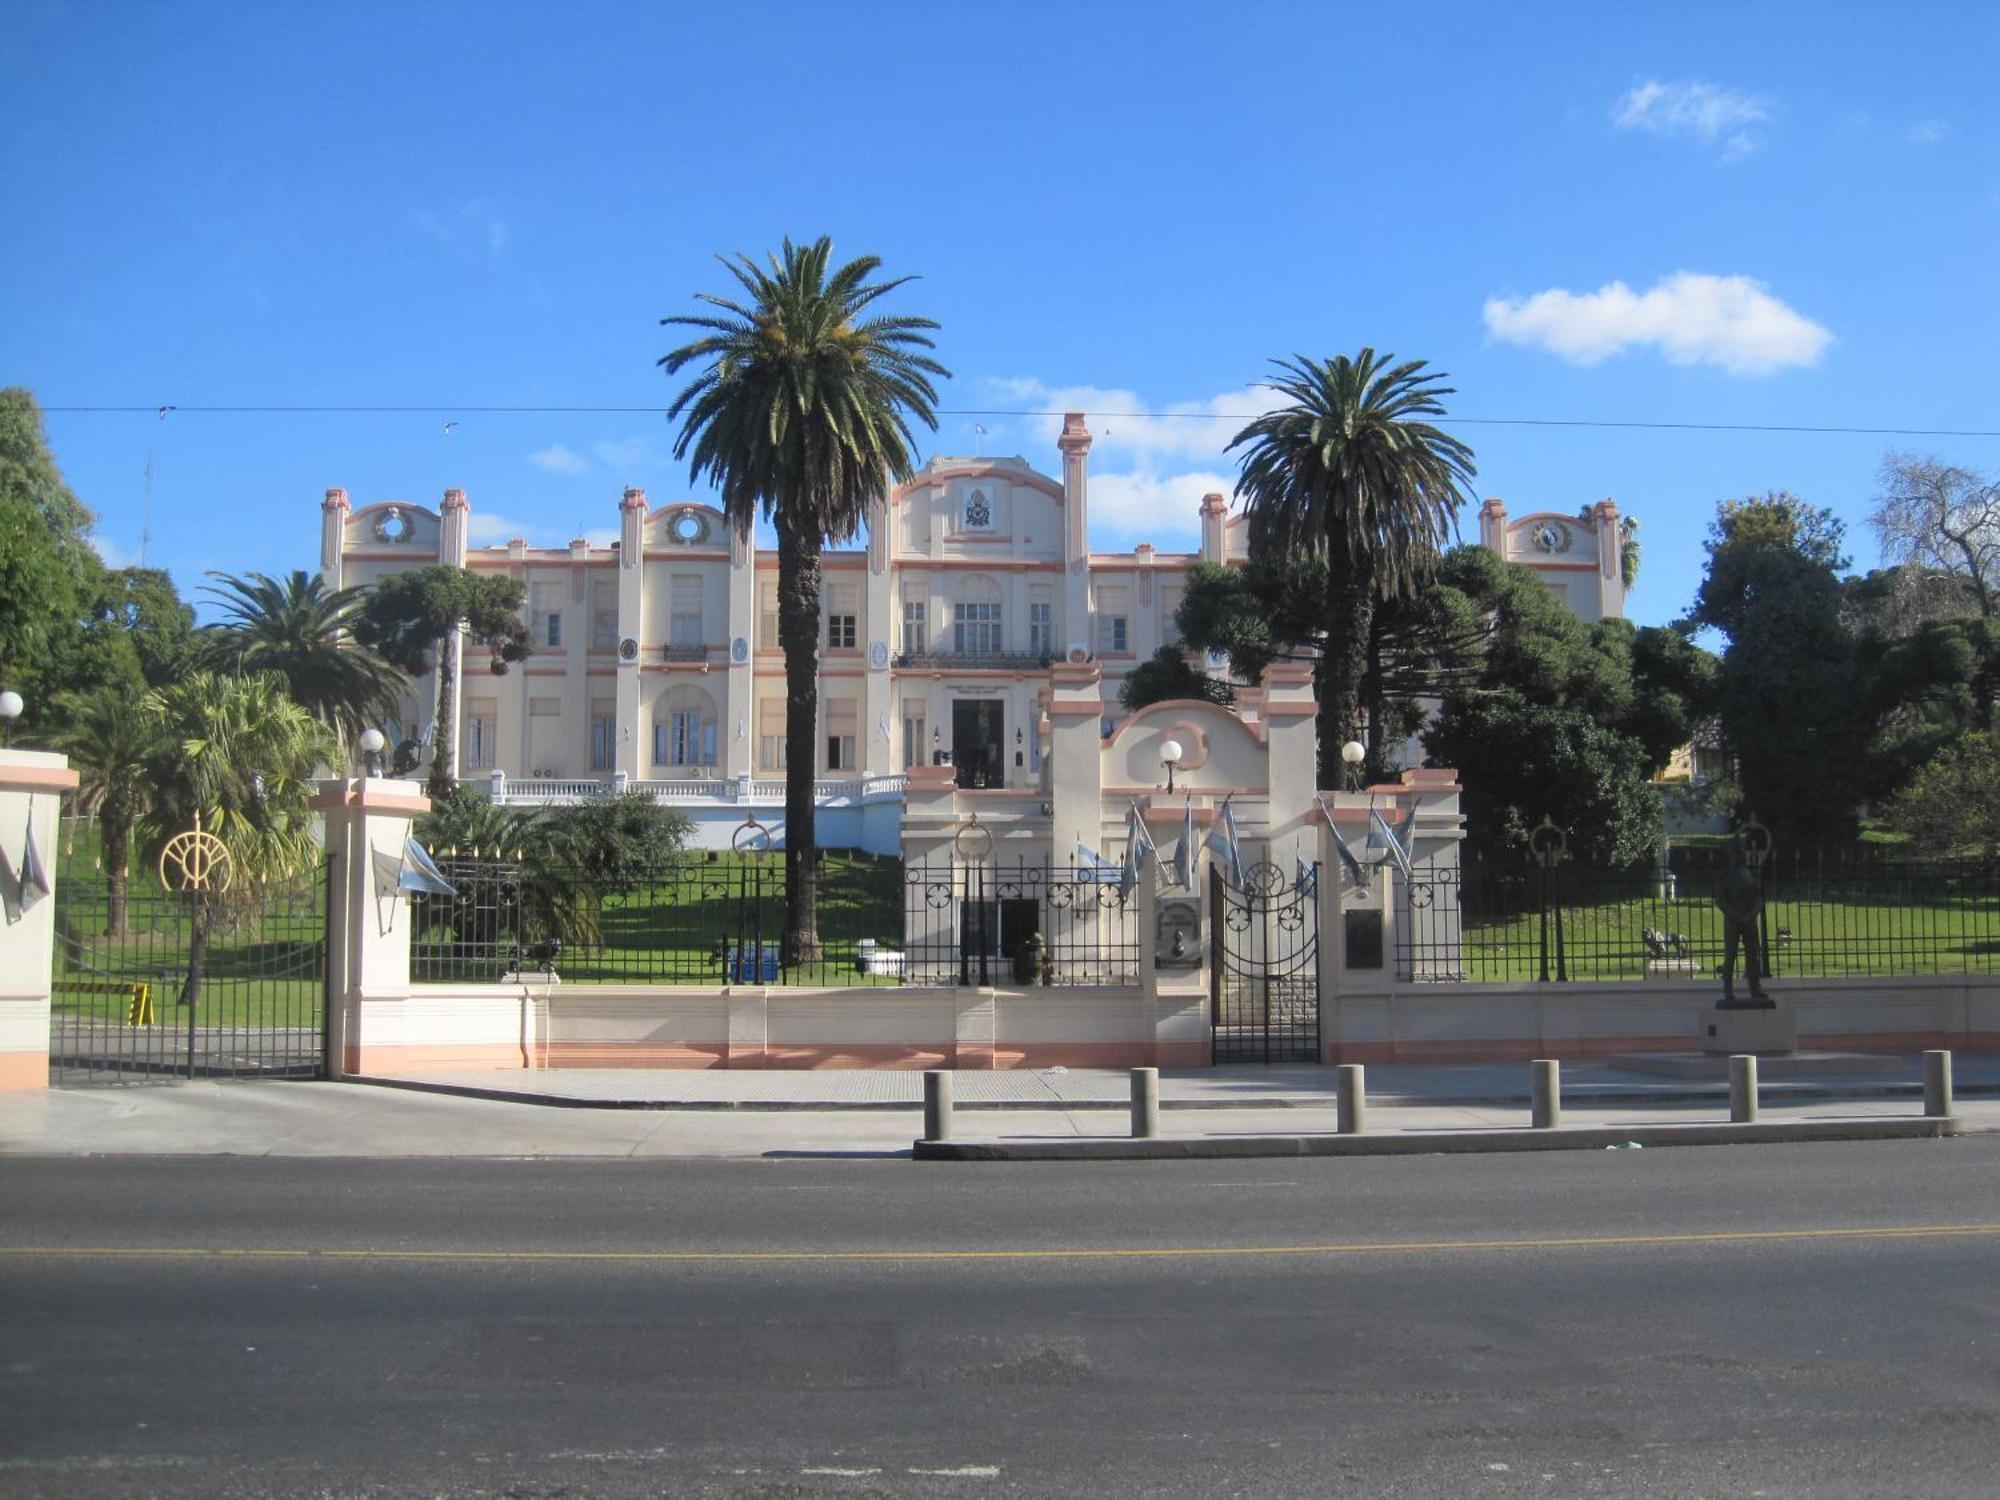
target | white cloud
[
  {"x": 1164, "y": 509},
  {"x": 1126, "y": 423},
  {"x": 1714, "y": 116},
  {"x": 110, "y": 553},
  {"x": 559, "y": 460},
  {"x": 486, "y": 528},
  {"x": 1692, "y": 319},
  {"x": 1928, "y": 132},
  {"x": 470, "y": 221}
]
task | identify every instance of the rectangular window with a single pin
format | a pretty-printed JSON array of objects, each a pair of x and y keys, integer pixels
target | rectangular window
[
  {"x": 916, "y": 738},
  {"x": 915, "y": 636},
  {"x": 976, "y": 629},
  {"x": 843, "y": 608},
  {"x": 771, "y": 734},
  {"x": 1042, "y": 627},
  {"x": 685, "y": 738},
  {"x": 603, "y": 736},
  {"x": 1113, "y": 607},
  {"x": 1170, "y": 608},
  {"x": 685, "y": 626},
  {"x": 604, "y": 615},
  {"x": 476, "y": 735},
  {"x": 842, "y": 719},
  {"x": 545, "y": 601},
  {"x": 767, "y": 614}
]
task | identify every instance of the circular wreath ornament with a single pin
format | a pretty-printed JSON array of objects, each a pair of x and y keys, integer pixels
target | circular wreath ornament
[
  {"x": 196, "y": 862},
  {"x": 628, "y": 649},
  {"x": 751, "y": 837},
  {"x": 1550, "y": 537},
  {"x": 393, "y": 526},
  {"x": 973, "y": 842},
  {"x": 688, "y": 527}
]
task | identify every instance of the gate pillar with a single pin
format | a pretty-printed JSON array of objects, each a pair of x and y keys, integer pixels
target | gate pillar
[
  {"x": 31, "y": 786},
  {"x": 368, "y": 919}
]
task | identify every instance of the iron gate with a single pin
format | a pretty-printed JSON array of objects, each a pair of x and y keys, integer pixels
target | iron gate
[
  {"x": 149, "y": 986},
  {"x": 1263, "y": 973}
]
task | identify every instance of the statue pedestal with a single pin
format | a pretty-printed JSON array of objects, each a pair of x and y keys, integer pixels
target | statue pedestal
[{"x": 1763, "y": 1029}]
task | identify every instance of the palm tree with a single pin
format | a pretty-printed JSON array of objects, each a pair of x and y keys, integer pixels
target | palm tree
[
  {"x": 240, "y": 753},
  {"x": 111, "y": 747},
  {"x": 1342, "y": 473},
  {"x": 295, "y": 627},
  {"x": 801, "y": 414}
]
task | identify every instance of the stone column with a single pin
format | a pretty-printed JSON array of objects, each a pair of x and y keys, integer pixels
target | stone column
[
  {"x": 1076, "y": 761},
  {"x": 368, "y": 932},
  {"x": 31, "y": 786},
  {"x": 631, "y": 735}
]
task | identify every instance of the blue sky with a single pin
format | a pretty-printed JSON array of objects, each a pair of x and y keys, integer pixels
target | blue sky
[{"x": 1763, "y": 214}]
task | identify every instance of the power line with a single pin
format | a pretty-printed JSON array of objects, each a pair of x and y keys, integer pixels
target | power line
[{"x": 1830, "y": 429}]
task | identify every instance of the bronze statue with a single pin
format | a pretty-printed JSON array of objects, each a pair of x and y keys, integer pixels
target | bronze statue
[{"x": 1741, "y": 901}]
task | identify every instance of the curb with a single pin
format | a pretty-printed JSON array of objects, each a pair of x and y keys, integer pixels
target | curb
[
  {"x": 1578, "y": 1095},
  {"x": 1438, "y": 1143}
]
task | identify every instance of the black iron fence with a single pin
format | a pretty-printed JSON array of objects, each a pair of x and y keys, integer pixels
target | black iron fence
[
  {"x": 149, "y": 985},
  {"x": 1823, "y": 918},
  {"x": 720, "y": 920}
]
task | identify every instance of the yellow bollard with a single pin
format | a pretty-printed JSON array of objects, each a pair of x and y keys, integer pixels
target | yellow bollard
[{"x": 141, "y": 1011}]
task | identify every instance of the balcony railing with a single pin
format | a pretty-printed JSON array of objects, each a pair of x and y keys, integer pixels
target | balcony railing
[
  {"x": 534, "y": 791},
  {"x": 981, "y": 661},
  {"x": 674, "y": 652}
]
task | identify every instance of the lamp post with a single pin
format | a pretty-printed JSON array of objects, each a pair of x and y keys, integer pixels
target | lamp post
[
  {"x": 372, "y": 742},
  {"x": 1170, "y": 756},
  {"x": 1352, "y": 754},
  {"x": 10, "y": 710}
]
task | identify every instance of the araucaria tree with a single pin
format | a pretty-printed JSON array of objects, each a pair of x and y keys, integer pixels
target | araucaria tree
[
  {"x": 412, "y": 618},
  {"x": 1346, "y": 473},
  {"x": 800, "y": 413}
]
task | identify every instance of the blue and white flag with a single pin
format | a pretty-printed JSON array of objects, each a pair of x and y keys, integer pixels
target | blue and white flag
[
  {"x": 1382, "y": 838},
  {"x": 1093, "y": 868},
  {"x": 34, "y": 878},
  {"x": 1184, "y": 851},
  {"x": 420, "y": 872},
  {"x": 1347, "y": 858},
  {"x": 1221, "y": 842},
  {"x": 1306, "y": 880},
  {"x": 1139, "y": 852}
]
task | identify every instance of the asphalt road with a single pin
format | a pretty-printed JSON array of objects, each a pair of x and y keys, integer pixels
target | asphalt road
[{"x": 1787, "y": 1319}]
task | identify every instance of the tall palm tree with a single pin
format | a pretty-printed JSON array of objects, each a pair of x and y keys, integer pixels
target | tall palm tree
[
  {"x": 111, "y": 747},
  {"x": 1343, "y": 473},
  {"x": 801, "y": 414},
  {"x": 299, "y": 629}
]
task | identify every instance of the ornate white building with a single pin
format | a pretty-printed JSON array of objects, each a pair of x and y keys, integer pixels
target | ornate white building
[{"x": 656, "y": 660}]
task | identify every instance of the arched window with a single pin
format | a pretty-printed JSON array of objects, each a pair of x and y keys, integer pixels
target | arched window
[
  {"x": 976, "y": 623},
  {"x": 684, "y": 728}
]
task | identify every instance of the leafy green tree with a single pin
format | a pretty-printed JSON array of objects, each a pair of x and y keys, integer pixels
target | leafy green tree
[
  {"x": 411, "y": 619},
  {"x": 1346, "y": 473},
  {"x": 48, "y": 571},
  {"x": 1793, "y": 693},
  {"x": 613, "y": 842},
  {"x": 1953, "y": 801},
  {"x": 1166, "y": 675},
  {"x": 297, "y": 628},
  {"x": 112, "y": 746},
  {"x": 800, "y": 412}
]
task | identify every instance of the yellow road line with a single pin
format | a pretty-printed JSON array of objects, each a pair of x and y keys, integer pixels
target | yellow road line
[{"x": 1144, "y": 1252}]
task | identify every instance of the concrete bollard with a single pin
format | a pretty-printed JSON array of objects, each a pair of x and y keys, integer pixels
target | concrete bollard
[
  {"x": 937, "y": 1105},
  {"x": 1545, "y": 1077},
  {"x": 1743, "y": 1089},
  {"x": 1937, "y": 1084},
  {"x": 1351, "y": 1098},
  {"x": 1145, "y": 1103}
]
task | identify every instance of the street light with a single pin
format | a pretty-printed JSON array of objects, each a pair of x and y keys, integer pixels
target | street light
[
  {"x": 371, "y": 751},
  {"x": 10, "y": 710},
  {"x": 1353, "y": 753},
  {"x": 1170, "y": 756}
]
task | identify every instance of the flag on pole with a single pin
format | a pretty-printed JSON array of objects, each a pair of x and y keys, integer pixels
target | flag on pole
[
  {"x": 1347, "y": 859},
  {"x": 1093, "y": 868},
  {"x": 1306, "y": 879},
  {"x": 1139, "y": 852},
  {"x": 1221, "y": 842},
  {"x": 1381, "y": 836},
  {"x": 34, "y": 878},
  {"x": 1184, "y": 852}
]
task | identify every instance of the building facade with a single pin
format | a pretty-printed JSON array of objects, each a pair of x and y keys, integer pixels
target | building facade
[{"x": 656, "y": 659}]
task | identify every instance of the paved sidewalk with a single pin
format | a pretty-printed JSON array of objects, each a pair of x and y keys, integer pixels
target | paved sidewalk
[{"x": 874, "y": 1113}]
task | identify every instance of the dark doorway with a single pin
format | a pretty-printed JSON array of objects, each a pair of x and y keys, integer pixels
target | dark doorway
[{"x": 977, "y": 741}]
